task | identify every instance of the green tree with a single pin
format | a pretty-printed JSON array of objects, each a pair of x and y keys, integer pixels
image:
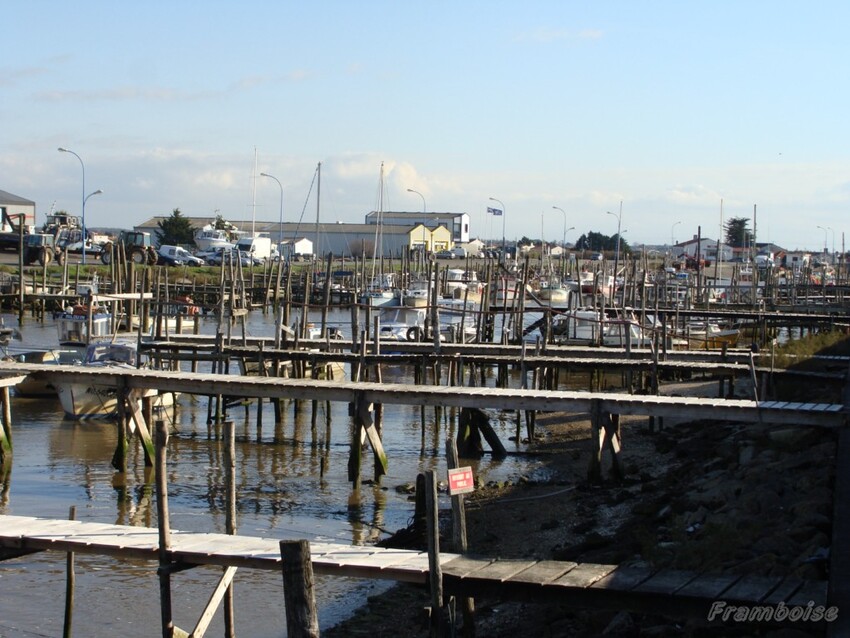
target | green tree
[
  {"x": 737, "y": 233},
  {"x": 175, "y": 230}
]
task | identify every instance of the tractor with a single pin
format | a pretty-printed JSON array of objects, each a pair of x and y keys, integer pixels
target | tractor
[
  {"x": 136, "y": 246},
  {"x": 42, "y": 248}
]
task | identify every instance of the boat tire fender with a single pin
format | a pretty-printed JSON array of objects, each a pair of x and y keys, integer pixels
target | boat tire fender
[{"x": 414, "y": 333}]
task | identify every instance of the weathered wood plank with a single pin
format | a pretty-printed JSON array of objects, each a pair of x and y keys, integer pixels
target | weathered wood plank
[
  {"x": 583, "y": 575},
  {"x": 708, "y": 586},
  {"x": 666, "y": 581},
  {"x": 784, "y": 591},
  {"x": 543, "y": 572},
  {"x": 623, "y": 578},
  {"x": 751, "y": 589},
  {"x": 810, "y": 591}
]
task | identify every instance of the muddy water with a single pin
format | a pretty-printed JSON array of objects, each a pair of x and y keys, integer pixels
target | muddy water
[{"x": 282, "y": 492}]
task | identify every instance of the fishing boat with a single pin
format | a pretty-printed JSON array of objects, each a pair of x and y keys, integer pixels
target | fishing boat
[
  {"x": 418, "y": 293},
  {"x": 86, "y": 399},
  {"x": 34, "y": 386},
  {"x": 210, "y": 238},
  {"x": 82, "y": 324},
  {"x": 709, "y": 335},
  {"x": 587, "y": 326},
  {"x": 462, "y": 284}
]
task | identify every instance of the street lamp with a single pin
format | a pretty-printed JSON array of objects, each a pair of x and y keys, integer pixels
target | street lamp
[
  {"x": 825, "y": 248},
  {"x": 672, "y": 235},
  {"x": 619, "y": 217},
  {"x": 83, "y": 211},
  {"x": 85, "y": 232},
  {"x": 498, "y": 201},
  {"x": 280, "y": 219},
  {"x": 424, "y": 212},
  {"x": 564, "y": 238}
]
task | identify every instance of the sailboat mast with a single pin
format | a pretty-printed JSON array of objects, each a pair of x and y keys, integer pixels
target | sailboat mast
[
  {"x": 316, "y": 250},
  {"x": 254, "y": 194}
]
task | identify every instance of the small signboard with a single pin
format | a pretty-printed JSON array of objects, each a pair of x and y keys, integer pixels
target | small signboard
[{"x": 461, "y": 481}]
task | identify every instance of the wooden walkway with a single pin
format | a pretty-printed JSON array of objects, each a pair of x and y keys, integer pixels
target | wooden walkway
[
  {"x": 667, "y": 592},
  {"x": 741, "y": 410},
  {"x": 20, "y": 535}
]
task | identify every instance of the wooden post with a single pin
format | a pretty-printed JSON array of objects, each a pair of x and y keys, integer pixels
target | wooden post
[
  {"x": 6, "y": 428},
  {"x": 302, "y": 619},
  {"x": 230, "y": 516},
  {"x": 70, "y": 582},
  {"x": 435, "y": 572},
  {"x": 164, "y": 530}
]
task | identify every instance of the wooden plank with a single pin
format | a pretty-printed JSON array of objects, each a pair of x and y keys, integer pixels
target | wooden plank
[
  {"x": 623, "y": 578},
  {"x": 584, "y": 575},
  {"x": 708, "y": 586},
  {"x": 543, "y": 572},
  {"x": 666, "y": 581},
  {"x": 463, "y": 566},
  {"x": 810, "y": 591},
  {"x": 784, "y": 591},
  {"x": 501, "y": 570},
  {"x": 752, "y": 589}
]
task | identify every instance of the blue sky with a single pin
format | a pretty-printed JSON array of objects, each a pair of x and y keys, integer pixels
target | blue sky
[{"x": 667, "y": 107}]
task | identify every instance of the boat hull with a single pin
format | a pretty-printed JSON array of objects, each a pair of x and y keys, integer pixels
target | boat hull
[{"x": 88, "y": 400}]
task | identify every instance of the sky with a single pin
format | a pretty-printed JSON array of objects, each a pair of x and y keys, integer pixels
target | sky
[{"x": 664, "y": 119}]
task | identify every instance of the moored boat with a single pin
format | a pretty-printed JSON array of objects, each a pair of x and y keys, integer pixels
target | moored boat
[{"x": 88, "y": 399}]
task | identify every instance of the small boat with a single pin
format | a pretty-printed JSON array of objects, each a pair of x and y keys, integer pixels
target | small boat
[
  {"x": 586, "y": 326},
  {"x": 210, "y": 238},
  {"x": 87, "y": 399},
  {"x": 33, "y": 387},
  {"x": 708, "y": 335},
  {"x": 81, "y": 324},
  {"x": 463, "y": 284}
]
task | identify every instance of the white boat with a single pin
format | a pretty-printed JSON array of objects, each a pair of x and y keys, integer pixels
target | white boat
[
  {"x": 463, "y": 284},
  {"x": 87, "y": 399},
  {"x": 210, "y": 238},
  {"x": 401, "y": 323},
  {"x": 418, "y": 293},
  {"x": 587, "y": 326},
  {"x": 80, "y": 325},
  {"x": 381, "y": 291},
  {"x": 37, "y": 387}
]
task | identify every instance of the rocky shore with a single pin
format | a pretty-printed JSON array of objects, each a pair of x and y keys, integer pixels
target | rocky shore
[{"x": 706, "y": 496}]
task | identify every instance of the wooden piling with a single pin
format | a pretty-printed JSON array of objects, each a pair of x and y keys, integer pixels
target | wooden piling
[{"x": 302, "y": 618}]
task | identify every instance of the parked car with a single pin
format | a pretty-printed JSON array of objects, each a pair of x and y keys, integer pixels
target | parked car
[
  {"x": 177, "y": 256},
  {"x": 596, "y": 257},
  {"x": 445, "y": 254}
]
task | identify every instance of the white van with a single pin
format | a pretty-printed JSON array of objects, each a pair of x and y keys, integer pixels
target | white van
[{"x": 260, "y": 248}]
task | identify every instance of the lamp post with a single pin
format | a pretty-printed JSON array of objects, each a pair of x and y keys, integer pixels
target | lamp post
[
  {"x": 85, "y": 232},
  {"x": 84, "y": 198},
  {"x": 498, "y": 201},
  {"x": 825, "y": 248},
  {"x": 619, "y": 217},
  {"x": 280, "y": 218},
  {"x": 424, "y": 212},
  {"x": 564, "y": 238},
  {"x": 672, "y": 235}
]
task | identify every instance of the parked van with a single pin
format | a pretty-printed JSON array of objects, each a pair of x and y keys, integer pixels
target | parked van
[{"x": 260, "y": 248}]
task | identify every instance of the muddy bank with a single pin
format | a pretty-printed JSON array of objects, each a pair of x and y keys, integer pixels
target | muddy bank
[{"x": 704, "y": 496}]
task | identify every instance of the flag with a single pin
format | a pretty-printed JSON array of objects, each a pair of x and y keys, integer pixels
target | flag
[{"x": 494, "y": 211}]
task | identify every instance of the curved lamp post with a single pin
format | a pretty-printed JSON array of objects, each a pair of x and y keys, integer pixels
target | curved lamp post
[
  {"x": 564, "y": 238},
  {"x": 672, "y": 235},
  {"x": 85, "y": 232},
  {"x": 825, "y": 247},
  {"x": 280, "y": 218},
  {"x": 424, "y": 212},
  {"x": 619, "y": 217},
  {"x": 84, "y": 198},
  {"x": 498, "y": 201}
]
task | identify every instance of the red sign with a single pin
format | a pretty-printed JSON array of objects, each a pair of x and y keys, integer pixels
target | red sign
[{"x": 461, "y": 481}]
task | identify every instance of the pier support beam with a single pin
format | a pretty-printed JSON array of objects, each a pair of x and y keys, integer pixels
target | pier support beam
[
  {"x": 6, "y": 427},
  {"x": 302, "y": 619}
]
